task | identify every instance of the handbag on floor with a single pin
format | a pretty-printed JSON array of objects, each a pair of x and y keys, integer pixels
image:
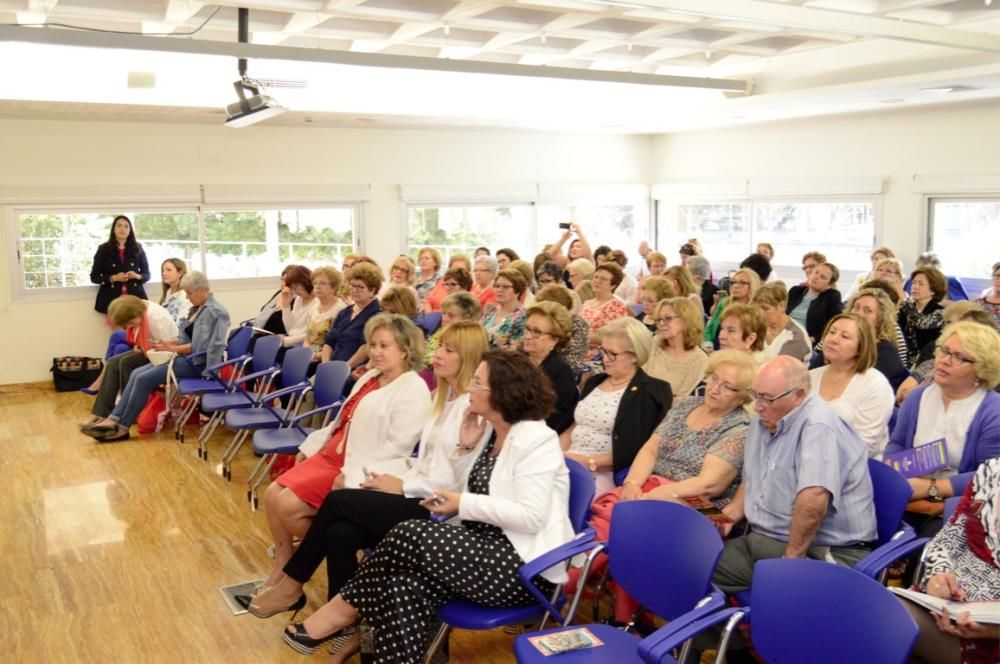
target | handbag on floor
[
  {"x": 70, "y": 373},
  {"x": 154, "y": 414}
]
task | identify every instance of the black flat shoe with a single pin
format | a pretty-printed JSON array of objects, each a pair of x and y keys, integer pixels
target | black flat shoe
[
  {"x": 112, "y": 437},
  {"x": 300, "y": 641},
  {"x": 95, "y": 428},
  {"x": 247, "y": 601}
]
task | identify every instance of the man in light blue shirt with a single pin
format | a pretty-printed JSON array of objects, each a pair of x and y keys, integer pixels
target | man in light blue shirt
[{"x": 806, "y": 490}]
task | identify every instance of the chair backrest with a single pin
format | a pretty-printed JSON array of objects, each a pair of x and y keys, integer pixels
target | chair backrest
[
  {"x": 581, "y": 494},
  {"x": 265, "y": 352},
  {"x": 331, "y": 377},
  {"x": 891, "y": 493},
  {"x": 949, "y": 506},
  {"x": 636, "y": 309},
  {"x": 239, "y": 342},
  {"x": 295, "y": 366},
  {"x": 817, "y": 611},
  {"x": 663, "y": 554},
  {"x": 429, "y": 322}
]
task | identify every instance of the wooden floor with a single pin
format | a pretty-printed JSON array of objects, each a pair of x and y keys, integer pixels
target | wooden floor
[{"x": 114, "y": 553}]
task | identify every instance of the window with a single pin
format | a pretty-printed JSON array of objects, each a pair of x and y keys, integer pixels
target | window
[
  {"x": 56, "y": 247},
  {"x": 953, "y": 223},
  {"x": 613, "y": 225},
  {"x": 459, "y": 230},
  {"x": 844, "y": 231}
]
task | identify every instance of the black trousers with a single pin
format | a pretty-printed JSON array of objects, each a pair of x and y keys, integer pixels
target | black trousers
[
  {"x": 349, "y": 520},
  {"x": 117, "y": 371}
]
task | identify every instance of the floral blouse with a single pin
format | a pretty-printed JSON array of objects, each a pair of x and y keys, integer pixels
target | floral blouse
[
  {"x": 991, "y": 309},
  {"x": 920, "y": 327},
  {"x": 682, "y": 451},
  {"x": 504, "y": 331},
  {"x": 598, "y": 315},
  {"x": 424, "y": 288}
]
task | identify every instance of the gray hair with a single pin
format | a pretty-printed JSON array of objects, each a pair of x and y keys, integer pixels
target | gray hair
[
  {"x": 699, "y": 267},
  {"x": 490, "y": 263},
  {"x": 633, "y": 334},
  {"x": 194, "y": 280},
  {"x": 929, "y": 259}
]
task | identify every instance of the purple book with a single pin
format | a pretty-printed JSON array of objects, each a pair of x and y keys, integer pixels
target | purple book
[{"x": 920, "y": 461}]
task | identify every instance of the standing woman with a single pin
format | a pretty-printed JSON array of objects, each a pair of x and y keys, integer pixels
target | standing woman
[
  {"x": 677, "y": 357},
  {"x": 504, "y": 319},
  {"x": 920, "y": 315},
  {"x": 813, "y": 305},
  {"x": 851, "y": 385},
  {"x": 429, "y": 261},
  {"x": 120, "y": 265}
]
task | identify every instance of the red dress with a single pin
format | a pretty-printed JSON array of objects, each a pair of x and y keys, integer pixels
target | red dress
[{"x": 312, "y": 479}]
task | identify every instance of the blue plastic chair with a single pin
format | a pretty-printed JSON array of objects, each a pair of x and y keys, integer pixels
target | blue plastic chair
[
  {"x": 263, "y": 369},
  {"x": 236, "y": 357},
  {"x": 949, "y": 507},
  {"x": 294, "y": 370},
  {"x": 469, "y": 615},
  {"x": 664, "y": 555},
  {"x": 328, "y": 393},
  {"x": 429, "y": 322},
  {"x": 804, "y": 611},
  {"x": 636, "y": 308}
]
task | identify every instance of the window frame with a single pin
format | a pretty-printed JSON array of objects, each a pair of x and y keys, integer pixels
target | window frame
[
  {"x": 20, "y": 294},
  {"x": 977, "y": 283}
]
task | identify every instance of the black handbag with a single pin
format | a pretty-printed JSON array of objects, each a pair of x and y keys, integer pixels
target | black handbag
[{"x": 69, "y": 374}]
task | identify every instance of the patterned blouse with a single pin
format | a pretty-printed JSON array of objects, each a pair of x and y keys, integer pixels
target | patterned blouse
[
  {"x": 991, "y": 309},
  {"x": 682, "y": 451},
  {"x": 598, "y": 315},
  {"x": 575, "y": 351},
  {"x": 504, "y": 331},
  {"x": 424, "y": 287},
  {"x": 920, "y": 327}
]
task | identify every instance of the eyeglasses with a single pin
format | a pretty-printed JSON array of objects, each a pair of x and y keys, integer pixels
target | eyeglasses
[
  {"x": 600, "y": 279},
  {"x": 476, "y": 386},
  {"x": 321, "y": 283},
  {"x": 401, "y": 269},
  {"x": 769, "y": 401},
  {"x": 612, "y": 355},
  {"x": 665, "y": 320},
  {"x": 534, "y": 332},
  {"x": 502, "y": 286},
  {"x": 451, "y": 284},
  {"x": 358, "y": 287},
  {"x": 739, "y": 283},
  {"x": 957, "y": 358},
  {"x": 547, "y": 279},
  {"x": 713, "y": 381}
]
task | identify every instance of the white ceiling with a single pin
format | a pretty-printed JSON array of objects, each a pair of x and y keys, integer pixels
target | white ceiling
[{"x": 798, "y": 58}]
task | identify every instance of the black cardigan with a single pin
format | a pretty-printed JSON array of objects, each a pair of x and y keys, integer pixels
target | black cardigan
[
  {"x": 643, "y": 406},
  {"x": 106, "y": 264},
  {"x": 560, "y": 376},
  {"x": 826, "y": 305}
]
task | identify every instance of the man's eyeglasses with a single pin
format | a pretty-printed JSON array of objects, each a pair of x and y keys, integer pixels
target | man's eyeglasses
[{"x": 769, "y": 400}]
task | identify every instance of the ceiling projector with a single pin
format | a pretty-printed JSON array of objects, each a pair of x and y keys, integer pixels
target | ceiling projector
[{"x": 252, "y": 109}]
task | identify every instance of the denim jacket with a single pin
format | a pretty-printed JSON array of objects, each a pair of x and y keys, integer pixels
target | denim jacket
[{"x": 211, "y": 329}]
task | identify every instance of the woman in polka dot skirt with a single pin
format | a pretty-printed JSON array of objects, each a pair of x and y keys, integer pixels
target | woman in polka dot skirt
[{"x": 514, "y": 508}]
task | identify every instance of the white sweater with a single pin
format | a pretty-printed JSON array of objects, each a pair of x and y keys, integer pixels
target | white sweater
[
  {"x": 866, "y": 405},
  {"x": 384, "y": 430},
  {"x": 529, "y": 495},
  {"x": 161, "y": 324},
  {"x": 295, "y": 320}
]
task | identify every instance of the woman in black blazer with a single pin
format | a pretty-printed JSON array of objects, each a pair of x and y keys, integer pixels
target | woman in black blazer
[
  {"x": 825, "y": 301},
  {"x": 120, "y": 265},
  {"x": 620, "y": 408}
]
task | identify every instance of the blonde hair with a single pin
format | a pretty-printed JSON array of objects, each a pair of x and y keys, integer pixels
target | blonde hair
[
  {"x": 633, "y": 334},
  {"x": 470, "y": 340},
  {"x": 555, "y": 293},
  {"x": 694, "y": 322},
  {"x": 581, "y": 266},
  {"x": 655, "y": 257},
  {"x": 982, "y": 344},
  {"x": 746, "y": 368},
  {"x": 773, "y": 294},
  {"x": 659, "y": 286},
  {"x": 894, "y": 262},
  {"x": 407, "y": 335},
  {"x": 585, "y": 290},
  {"x": 682, "y": 277},
  {"x": 524, "y": 267},
  {"x": 558, "y": 315},
  {"x": 400, "y": 300},
  {"x": 885, "y": 251},
  {"x": 181, "y": 268},
  {"x": 126, "y": 308},
  {"x": 407, "y": 264},
  {"x": 435, "y": 254},
  {"x": 331, "y": 274},
  {"x": 886, "y": 328}
]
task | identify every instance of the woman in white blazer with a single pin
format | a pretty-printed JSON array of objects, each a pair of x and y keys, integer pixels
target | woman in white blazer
[
  {"x": 375, "y": 430},
  {"x": 353, "y": 519},
  {"x": 514, "y": 506}
]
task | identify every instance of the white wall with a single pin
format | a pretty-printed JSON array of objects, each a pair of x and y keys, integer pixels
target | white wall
[
  {"x": 105, "y": 153},
  {"x": 955, "y": 140}
]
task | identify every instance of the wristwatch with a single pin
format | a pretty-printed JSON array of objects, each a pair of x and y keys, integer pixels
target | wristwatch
[
  {"x": 933, "y": 494},
  {"x": 591, "y": 464}
]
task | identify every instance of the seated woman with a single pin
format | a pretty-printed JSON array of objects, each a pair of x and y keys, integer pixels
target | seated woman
[
  {"x": 457, "y": 277},
  {"x": 683, "y": 285},
  {"x": 353, "y": 519},
  {"x": 742, "y": 327},
  {"x": 963, "y": 564},
  {"x": 296, "y": 301},
  {"x": 514, "y": 507},
  {"x": 375, "y": 430},
  {"x": 547, "y": 329},
  {"x": 147, "y": 323},
  {"x": 784, "y": 336},
  {"x": 402, "y": 273},
  {"x": 651, "y": 293},
  {"x": 205, "y": 329},
  {"x": 504, "y": 319},
  {"x": 604, "y": 307},
  {"x": 457, "y": 306},
  {"x": 961, "y": 407},
  {"x": 742, "y": 287},
  {"x": 850, "y": 384},
  {"x": 399, "y": 300},
  {"x": 345, "y": 341},
  {"x": 429, "y": 262},
  {"x": 990, "y": 301},
  {"x": 575, "y": 351},
  {"x": 619, "y": 408},
  {"x": 677, "y": 356},
  {"x": 814, "y": 303},
  {"x": 484, "y": 271},
  {"x": 920, "y": 315},
  {"x": 326, "y": 281}
]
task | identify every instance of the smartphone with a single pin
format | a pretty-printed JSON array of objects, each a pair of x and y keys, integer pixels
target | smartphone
[{"x": 565, "y": 225}]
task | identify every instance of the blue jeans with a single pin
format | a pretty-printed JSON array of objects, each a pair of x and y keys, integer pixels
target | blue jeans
[{"x": 141, "y": 384}]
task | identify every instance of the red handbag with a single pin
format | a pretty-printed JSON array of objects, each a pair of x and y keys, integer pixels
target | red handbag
[{"x": 154, "y": 414}]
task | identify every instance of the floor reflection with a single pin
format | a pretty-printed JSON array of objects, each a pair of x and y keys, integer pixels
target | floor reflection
[{"x": 81, "y": 516}]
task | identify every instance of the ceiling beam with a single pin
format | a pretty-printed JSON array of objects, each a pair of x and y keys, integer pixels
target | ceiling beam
[
  {"x": 175, "y": 14},
  {"x": 805, "y": 18},
  {"x": 13, "y": 33}
]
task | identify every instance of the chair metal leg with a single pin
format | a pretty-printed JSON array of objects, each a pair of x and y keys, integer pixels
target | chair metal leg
[
  {"x": 207, "y": 431},
  {"x": 580, "y": 583},
  {"x": 439, "y": 639},
  {"x": 595, "y": 607},
  {"x": 253, "y": 473},
  {"x": 727, "y": 632},
  {"x": 231, "y": 451},
  {"x": 185, "y": 416},
  {"x": 260, "y": 480}
]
